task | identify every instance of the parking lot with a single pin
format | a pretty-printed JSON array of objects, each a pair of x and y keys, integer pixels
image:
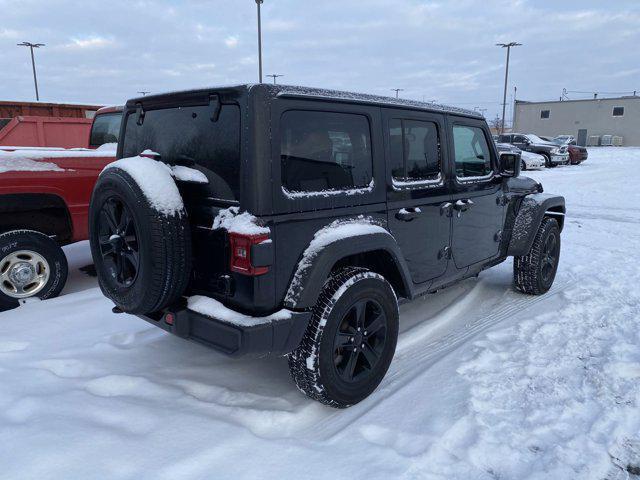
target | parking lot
[{"x": 486, "y": 383}]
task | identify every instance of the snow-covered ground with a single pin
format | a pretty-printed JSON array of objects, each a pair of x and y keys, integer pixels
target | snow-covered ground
[{"x": 486, "y": 383}]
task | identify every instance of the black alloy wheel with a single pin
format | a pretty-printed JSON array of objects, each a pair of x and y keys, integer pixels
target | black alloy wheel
[
  {"x": 549, "y": 257},
  {"x": 118, "y": 241},
  {"x": 360, "y": 340}
]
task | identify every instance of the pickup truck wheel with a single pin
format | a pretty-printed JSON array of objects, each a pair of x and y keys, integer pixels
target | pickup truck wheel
[
  {"x": 350, "y": 340},
  {"x": 31, "y": 265},
  {"x": 142, "y": 256},
  {"x": 534, "y": 273}
]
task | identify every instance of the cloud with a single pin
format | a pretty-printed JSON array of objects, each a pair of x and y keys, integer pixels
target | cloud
[
  {"x": 231, "y": 41},
  {"x": 89, "y": 43}
]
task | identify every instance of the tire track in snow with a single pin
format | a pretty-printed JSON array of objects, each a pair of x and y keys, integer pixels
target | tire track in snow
[{"x": 413, "y": 356}]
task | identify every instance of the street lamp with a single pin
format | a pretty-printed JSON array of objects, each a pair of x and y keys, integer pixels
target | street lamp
[
  {"x": 274, "y": 76},
  {"x": 397, "y": 90},
  {"x": 506, "y": 76},
  {"x": 33, "y": 62},
  {"x": 258, "y": 3}
]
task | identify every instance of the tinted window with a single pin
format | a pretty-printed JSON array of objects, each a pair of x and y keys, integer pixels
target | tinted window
[
  {"x": 473, "y": 157},
  {"x": 187, "y": 135},
  {"x": 105, "y": 129},
  {"x": 544, "y": 113},
  {"x": 414, "y": 150},
  {"x": 618, "y": 111},
  {"x": 519, "y": 139},
  {"x": 325, "y": 151},
  {"x": 505, "y": 138}
]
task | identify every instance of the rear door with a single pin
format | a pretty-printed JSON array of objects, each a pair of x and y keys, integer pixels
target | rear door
[
  {"x": 418, "y": 197},
  {"x": 478, "y": 207}
]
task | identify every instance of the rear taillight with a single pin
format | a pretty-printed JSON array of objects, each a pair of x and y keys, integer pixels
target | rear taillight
[{"x": 241, "y": 253}]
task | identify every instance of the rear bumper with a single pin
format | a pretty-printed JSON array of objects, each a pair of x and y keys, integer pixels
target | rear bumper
[{"x": 274, "y": 337}]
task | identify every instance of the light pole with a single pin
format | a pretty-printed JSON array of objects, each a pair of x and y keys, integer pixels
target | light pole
[
  {"x": 258, "y": 3},
  {"x": 274, "y": 76},
  {"x": 506, "y": 76},
  {"x": 397, "y": 90},
  {"x": 33, "y": 62}
]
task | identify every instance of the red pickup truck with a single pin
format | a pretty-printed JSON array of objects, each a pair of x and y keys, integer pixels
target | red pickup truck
[{"x": 44, "y": 204}]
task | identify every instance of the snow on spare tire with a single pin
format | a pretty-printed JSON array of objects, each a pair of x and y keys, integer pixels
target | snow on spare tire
[{"x": 140, "y": 237}]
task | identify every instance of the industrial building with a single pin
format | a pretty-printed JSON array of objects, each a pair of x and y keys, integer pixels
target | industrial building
[{"x": 596, "y": 121}]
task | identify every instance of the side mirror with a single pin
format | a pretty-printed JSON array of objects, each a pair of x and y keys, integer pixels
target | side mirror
[{"x": 509, "y": 164}]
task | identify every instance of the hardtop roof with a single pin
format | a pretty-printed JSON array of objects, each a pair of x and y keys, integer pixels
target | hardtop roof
[{"x": 294, "y": 91}]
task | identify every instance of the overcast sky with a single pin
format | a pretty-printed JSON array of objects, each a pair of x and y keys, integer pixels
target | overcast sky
[{"x": 106, "y": 51}]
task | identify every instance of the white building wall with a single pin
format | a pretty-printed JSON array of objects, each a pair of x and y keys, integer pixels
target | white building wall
[{"x": 567, "y": 117}]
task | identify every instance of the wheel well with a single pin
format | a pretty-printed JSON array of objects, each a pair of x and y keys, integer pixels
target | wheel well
[
  {"x": 42, "y": 212},
  {"x": 557, "y": 212},
  {"x": 379, "y": 261}
]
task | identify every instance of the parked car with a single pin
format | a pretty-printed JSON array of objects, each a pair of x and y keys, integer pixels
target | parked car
[
  {"x": 278, "y": 220},
  {"x": 44, "y": 204},
  {"x": 577, "y": 153},
  {"x": 554, "y": 155},
  {"x": 528, "y": 160}
]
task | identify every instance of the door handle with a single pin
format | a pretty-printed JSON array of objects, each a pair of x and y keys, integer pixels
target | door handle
[
  {"x": 446, "y": 209},
  {"x": 408, "y": 214},
  {"x": 463, "y": 205}
]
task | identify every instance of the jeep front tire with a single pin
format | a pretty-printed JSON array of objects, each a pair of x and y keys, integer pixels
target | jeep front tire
[
  {"x": 535, "y": 272},
  {"x": 350, "y": 341}
]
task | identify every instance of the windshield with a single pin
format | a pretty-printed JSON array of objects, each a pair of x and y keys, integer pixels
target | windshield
[
  {"x": 535, "y": 139},
  {"x": 105, "y": 129},
  {"x": 186, "y": 135},
  {"x": 561, "y": 140}
]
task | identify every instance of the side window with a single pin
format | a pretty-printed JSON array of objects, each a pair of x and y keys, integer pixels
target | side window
[
  {"x": 618, "y": 111},
  {"x": 105, "y": 129},
  {"x": 518, "y": 139},
  {"x": 544, "y": 113},
  {"x": 414, "y": 149},
  {"x": 325, "y": 151},
  {"x": 472, "y": 154}
]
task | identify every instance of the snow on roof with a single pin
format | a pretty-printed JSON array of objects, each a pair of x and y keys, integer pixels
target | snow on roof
[{"x": 312, "y": 92}]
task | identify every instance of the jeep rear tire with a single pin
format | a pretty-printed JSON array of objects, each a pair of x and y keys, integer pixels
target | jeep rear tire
[
  {"x": 142, "y": 256},
  {"x": 31, "y": 265},
  {"x": 350, "y": 341},
  {"x": 534, "y": 272}
]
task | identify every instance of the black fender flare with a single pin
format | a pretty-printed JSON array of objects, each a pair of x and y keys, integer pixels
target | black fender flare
[
  {"x": 312, "y": 272},
  {"x": 533, "y": 209}
]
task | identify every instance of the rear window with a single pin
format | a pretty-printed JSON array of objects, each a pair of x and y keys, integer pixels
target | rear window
[
  {"x": 186, "y": 135},
  {"x": 324, "y": 151},
  {"x": 105, "y": 129}
]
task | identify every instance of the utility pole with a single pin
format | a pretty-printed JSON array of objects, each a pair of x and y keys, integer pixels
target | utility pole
[
  {"x": 274, "y": 76},
  {"x": 33, "y": 62},
  {"x": 258, "y": 3},
  {"x": 397, "y": 90},
  {"x": 506, "y": 77}
]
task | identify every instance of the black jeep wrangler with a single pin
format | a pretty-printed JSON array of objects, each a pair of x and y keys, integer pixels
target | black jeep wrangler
[{"x": 279, "y": 220}]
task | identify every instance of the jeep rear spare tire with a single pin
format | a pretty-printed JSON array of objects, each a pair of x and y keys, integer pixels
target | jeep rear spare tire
[
  {"x": 31, "y": 265},
  {"x": 142, "y": 255}
]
